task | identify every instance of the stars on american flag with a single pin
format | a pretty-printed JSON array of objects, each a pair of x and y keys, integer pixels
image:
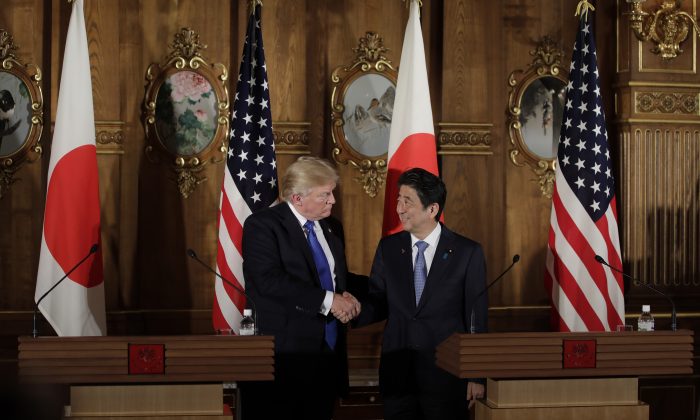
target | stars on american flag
[
  {"x": 583, "y": 152},
  {"x": 251, "y": 155}
]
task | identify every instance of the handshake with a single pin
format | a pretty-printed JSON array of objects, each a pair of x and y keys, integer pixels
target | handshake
[{"x": 345, "y": 307}]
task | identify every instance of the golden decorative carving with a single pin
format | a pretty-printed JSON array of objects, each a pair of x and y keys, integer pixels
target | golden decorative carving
[
  {"x": 109, "y": 133},
  {"x": 666, "y": 103},
  {"x": 537, "y": 92},
  {"x": 291, "y": 138},
  {"x": 464, "y": 139},
  {"x": 7, "y": 177},
  {"x": 186, "y": 45},
  {"x": 187, "y": 179},
  {"x": 24, "y": 88},
  {"x": 351, "y": 139},
  {"x": 7, "y": 46},
  {"x": 667, "y": 27},
  {"x": 372, "y": 175},
  {"x": 187, "y": 157}
]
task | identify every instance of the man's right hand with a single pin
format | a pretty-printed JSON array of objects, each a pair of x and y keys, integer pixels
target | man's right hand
[{"x": 345, "y": 307}]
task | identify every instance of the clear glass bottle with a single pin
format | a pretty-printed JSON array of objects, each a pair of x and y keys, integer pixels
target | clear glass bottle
[
  {"x": 645, "y": 321},
  {"x": 247, "y": 323}
]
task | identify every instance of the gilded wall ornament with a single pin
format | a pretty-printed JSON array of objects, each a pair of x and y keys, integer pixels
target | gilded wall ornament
[
  {"x": 666, "y": 103},
  {"x": 186, "y": 110},
  {"x": 362, "y": 103},
  {"x": 667, "y": 27},
  {"x": 535, "y": 109},
  {"x": 21, "y": 112}
]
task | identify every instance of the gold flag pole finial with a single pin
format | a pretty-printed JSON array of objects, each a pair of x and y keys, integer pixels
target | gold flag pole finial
[
  {"x": 583, "y": 7},
  {"x": 408, "y": 2},
  {"x": 253, "y": 3}
]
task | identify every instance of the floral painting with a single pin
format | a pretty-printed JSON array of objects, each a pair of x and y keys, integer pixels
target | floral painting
[{"x": 186, "y": 113}]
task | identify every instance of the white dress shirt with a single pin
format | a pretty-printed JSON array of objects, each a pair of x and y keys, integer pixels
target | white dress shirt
[
  {"x": 328, "y": 300},
  {"x": 432, "y": 240}
]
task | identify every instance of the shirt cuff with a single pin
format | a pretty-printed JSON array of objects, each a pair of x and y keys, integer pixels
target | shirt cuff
[{"x": 327, "y": 303}]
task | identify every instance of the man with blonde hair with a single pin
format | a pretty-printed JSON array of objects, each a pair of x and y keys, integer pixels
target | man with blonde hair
[{"x": 295, "y": 270}]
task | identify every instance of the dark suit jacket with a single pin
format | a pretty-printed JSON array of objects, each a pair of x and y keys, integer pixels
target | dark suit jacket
[
  {"x": 281, "y": 278},
  {"x": 456, "y": 276}
]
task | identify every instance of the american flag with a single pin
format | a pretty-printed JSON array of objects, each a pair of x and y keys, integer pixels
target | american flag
[
  {"x": 585, "y": 295},
  {"x": 250, "y": 178}
]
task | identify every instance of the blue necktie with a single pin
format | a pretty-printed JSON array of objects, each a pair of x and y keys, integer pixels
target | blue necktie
[
  {"x": 420, "y": 270},
  {"x": 324, "y": 274}
]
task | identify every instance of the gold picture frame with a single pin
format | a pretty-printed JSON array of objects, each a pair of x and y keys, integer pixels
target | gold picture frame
[
  {"x": 186, "y": 111},
  {"x": 362, "y": 102},
  {"x": 535, "y": 109},
  {"x": 21, "y": 112}
]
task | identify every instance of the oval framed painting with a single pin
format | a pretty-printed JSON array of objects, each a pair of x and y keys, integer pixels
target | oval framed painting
[
  {"x": 535, "y": 109},
  {"x": 362, "y": 100},
  {"x": 186, "y": 111},
  {"x": 21, "y": 110}
]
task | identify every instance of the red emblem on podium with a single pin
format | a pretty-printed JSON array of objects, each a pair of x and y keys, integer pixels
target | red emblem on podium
[
  {"x": 579, "y": 354},
  {"x": 146, "y": 359}
]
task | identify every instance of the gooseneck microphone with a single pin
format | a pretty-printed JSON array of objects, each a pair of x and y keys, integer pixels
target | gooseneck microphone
[
  {"x": 472, "y": 327},
  {"x": 193, "y": 255},
  {"x": 93, "y": 249},
  {"x": 601, "y": 260}
]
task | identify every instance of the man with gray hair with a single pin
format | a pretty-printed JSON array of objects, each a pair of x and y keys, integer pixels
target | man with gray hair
[{"x": 295, "y": 271}]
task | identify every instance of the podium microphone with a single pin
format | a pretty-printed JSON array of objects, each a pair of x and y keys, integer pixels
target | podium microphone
[
  {"x": 601, "y": 260},
  {"x": 93, "y": 249},
  {"x": 472, "y": 328},
  {"x": 193, "y": 255}
]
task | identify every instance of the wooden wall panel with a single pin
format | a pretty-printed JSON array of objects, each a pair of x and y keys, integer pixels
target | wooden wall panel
[
  {"x": 348, "y": 21},
  {"x": 21, "y": 208},
  {"x": 659, "y": 147},
  {"x": 471, "y": 48},
  {"x": 130, "y": 104},
  {"x": 526, "y": 209},
  {"x": 471, "y": 93}
]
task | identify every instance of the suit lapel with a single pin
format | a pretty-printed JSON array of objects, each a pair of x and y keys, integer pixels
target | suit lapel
[
  {"x": 336, "y": 247},
  {"x": 441, "y": 260},
  {"x": 404, "y": 258},
  {"x": 298, "y": 238}
]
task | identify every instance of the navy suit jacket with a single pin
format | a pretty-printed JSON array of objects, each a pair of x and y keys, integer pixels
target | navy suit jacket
[
  {"x": 281, "y": 278},
  {"x": 456, "y": 276}
]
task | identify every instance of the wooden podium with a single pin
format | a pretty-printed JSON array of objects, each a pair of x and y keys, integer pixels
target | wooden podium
[
  {"x": 144, "y": 377},
  {"x": 586, "y": 376}
]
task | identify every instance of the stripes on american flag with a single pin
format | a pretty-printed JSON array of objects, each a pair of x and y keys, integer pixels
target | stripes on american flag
[
  {"x": 250, "y": 178},
  {"x": 585, "y": 295}
]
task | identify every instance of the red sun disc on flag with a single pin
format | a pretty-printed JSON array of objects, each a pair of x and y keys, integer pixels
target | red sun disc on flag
[{"x": 72, "y": 216}]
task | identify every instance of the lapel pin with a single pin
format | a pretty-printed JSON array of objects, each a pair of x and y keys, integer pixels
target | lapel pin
[{"x": 403, "y": 251}]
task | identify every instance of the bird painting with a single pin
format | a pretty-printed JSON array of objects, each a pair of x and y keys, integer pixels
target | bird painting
[{"x": 7, "y": 110}]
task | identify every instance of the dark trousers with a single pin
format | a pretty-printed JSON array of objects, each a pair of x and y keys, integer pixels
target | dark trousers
[
  {"x": 305, "y": 387},
  {"x": 413, "y": 388}
]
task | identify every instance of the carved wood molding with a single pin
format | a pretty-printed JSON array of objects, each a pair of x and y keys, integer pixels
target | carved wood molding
[
  {"x": 464, "y": 138},
  {"x": 291, "y": 137},
  {"x": 651, "y": 102},
  {"x": 109, "y": 137}
]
